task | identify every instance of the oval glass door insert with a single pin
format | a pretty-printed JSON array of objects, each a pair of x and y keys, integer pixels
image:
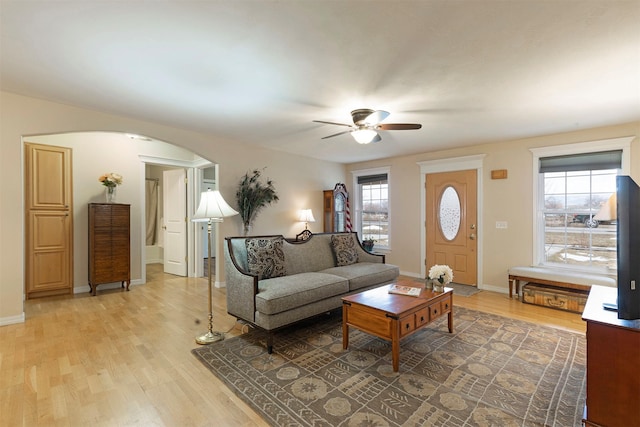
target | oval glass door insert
[{"x": 449, "y": 215}]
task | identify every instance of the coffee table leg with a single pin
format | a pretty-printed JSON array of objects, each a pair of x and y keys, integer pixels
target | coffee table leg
[
  {"x": 345, "y": 328},
  {"x": 395, "y": 344},
  {"x": 451, "y": 321}
]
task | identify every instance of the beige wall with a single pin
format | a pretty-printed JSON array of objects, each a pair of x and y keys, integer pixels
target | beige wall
[
  {"x": 508, "y": 200},
  {"x": 299, "y": 181}
]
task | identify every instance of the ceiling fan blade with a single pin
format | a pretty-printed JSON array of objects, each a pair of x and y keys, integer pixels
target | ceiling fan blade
[
  {"x": 398, "y": 126},
  {"x": 376, "y": 117},
  {"x": 331, "y": 123},
  {"x": 336, "y": 134}
]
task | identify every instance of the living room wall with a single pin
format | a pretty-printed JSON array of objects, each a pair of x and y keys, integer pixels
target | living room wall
[
  {"x": 509, "y": 200},
  {"x": 299, "y": 181}
]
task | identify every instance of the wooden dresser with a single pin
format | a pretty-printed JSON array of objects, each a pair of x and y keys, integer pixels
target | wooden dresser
[
  {"x": 613, "y": 363},
  {"x": 109, "y": 244}
]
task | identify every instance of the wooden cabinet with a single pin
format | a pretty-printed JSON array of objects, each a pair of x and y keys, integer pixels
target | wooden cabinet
[
  {"x": 109, "y": 244},
  {"x": 48, "y": 221},
  {"x": 613, "y": 363},
  {"x": 334, "y": 214},
  {"x": 327, "y": 212}
]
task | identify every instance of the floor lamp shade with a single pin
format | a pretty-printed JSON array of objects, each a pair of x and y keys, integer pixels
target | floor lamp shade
[{"x": 213, "y": 207}]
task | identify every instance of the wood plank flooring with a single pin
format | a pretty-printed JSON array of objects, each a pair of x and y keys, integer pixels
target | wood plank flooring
[{"x": 123, "y": 358}]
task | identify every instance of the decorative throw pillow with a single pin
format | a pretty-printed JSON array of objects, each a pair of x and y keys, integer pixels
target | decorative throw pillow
[
  {"x": 344, "y": 248},
  {"x": 265, "y": 257}
]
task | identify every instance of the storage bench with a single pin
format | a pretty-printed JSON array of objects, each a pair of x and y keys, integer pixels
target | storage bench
[{"x": 555, "y": 277}]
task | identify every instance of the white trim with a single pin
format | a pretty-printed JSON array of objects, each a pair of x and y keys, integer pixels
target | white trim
[
  {"x": 357, "y": 205},
  {"x": 623, "y": 143},
  {"x": 12, "y": 320},
  {"x": 194, "y": 174},
  {"x": 450, "y": 165}
]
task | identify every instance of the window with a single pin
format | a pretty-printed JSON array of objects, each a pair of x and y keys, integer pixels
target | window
[
  {"x": 576, "y": 225},
  {"x": 372, "y": 206}
]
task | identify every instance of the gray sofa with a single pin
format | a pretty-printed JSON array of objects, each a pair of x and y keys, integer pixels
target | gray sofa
[{"x": 273, "y": 282}]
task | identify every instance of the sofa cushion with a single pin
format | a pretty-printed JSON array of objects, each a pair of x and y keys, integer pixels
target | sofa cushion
[
  {"x": 285, "y": 293},
  {"x": 265, "y": 257},
  {"x": 344, "y": 248},
  {"x": 363, "y": 274}
]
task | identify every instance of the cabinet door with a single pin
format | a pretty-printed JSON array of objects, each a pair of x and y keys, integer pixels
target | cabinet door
[{"x": 49, "y": 251}]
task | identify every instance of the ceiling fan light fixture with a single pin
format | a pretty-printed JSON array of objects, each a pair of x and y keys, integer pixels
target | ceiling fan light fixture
[{"x": 364, "y": 136}]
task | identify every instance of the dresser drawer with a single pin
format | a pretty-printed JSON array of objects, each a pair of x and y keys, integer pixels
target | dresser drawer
[
  {"x": 445, "y": 306},
  {"x": 422, "y": 317},
  {"x": 407, "y": 325},
  {"x": 435, "y": 311}
]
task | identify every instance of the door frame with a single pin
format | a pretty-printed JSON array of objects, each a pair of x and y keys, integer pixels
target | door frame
[
  {"x": 451, "y": 164},
  {"x": 194, "y": 185}
]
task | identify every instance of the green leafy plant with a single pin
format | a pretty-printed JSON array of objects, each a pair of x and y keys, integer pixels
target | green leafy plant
[{"x": 252, "y": 196}]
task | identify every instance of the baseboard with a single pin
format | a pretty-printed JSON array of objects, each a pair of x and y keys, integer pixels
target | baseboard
[
  {"x": 411, "y": 274},
  {"x": 12, "y": 320},
  {"x": 498, "y": 289}
]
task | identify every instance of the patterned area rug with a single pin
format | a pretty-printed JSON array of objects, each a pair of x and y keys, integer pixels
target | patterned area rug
[{"x": 492, "y": 371}]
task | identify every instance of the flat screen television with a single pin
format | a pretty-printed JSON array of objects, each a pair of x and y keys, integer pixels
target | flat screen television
[{"x": 628, "y": 246}]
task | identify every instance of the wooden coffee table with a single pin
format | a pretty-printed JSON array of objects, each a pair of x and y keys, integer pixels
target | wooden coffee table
[{"x": 393, "y": 317}]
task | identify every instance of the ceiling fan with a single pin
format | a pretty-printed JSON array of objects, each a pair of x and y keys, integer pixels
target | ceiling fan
[{"x": 366, "y": 124}]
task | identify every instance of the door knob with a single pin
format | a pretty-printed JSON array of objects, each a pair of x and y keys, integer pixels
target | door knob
[
  {"x": 164, "y": 227},
  {"x": 472, "y": 236},
  {"x": 473, "y": 226}
]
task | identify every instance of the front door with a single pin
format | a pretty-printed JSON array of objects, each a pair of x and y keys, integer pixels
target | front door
[
  {"x": 451, "y": 228},
  {"x": 175, "y": 221},
  {"x": 48, "y": 220}
]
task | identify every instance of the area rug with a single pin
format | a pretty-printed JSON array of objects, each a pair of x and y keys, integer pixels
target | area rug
[{"x": 492, "y": 371}]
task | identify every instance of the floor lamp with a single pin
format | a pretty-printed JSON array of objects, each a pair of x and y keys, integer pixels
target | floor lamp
[{"x": 212, "y": 209}]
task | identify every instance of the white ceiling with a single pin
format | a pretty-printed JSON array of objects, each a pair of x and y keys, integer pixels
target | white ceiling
[{"x": 260, "y": 71}]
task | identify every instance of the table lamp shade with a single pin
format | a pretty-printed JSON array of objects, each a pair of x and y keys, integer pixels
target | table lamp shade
[
  {"x": 213, "y": 207},
  {"x": 305, "y": 215}
]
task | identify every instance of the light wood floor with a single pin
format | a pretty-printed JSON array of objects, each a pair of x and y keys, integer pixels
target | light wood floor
[{"x": 123, "y": 358}]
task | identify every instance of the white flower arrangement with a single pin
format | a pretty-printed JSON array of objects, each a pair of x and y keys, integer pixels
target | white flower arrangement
[
  {"x": 110, "y": 179},
  {"x": 441, "y": 273}
]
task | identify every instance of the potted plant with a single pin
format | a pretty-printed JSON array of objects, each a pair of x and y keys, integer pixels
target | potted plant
[
  {"x": 367, "y": 243},
  {"x": 252, "y": 196}
]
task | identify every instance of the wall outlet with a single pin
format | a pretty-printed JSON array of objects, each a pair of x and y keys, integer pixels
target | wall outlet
[{"x": 501, "y": 224}]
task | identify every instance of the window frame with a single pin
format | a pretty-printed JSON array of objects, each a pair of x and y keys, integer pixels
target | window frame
[
  {"x": 356, "y": 215},
  {"x": 623, "y": 143}
]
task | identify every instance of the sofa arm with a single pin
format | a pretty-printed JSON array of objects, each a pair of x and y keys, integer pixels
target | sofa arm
[
  {"x": 364, "y": 256},
  {"x": 242, "y": 287}
]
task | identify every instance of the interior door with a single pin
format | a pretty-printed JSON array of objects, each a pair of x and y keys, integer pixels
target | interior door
[
  {"x": 48, "y": 220},
  {"x": 174, "y": 184},
  {"x": 451, "y": 223}
]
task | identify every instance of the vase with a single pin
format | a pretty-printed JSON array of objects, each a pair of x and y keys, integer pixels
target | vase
[
  {"x": 368, "y": 246},
  {"x": 437, "y": 286},
  {"x": 110, "y": 193}
]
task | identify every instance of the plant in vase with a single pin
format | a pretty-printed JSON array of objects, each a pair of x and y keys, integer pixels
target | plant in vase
[
  {"x": 110, "y": 180},
  {"x": 440, "y": 275},
  {"x": 367, "y": 243},
  {"x": 251, "y": 196}
]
